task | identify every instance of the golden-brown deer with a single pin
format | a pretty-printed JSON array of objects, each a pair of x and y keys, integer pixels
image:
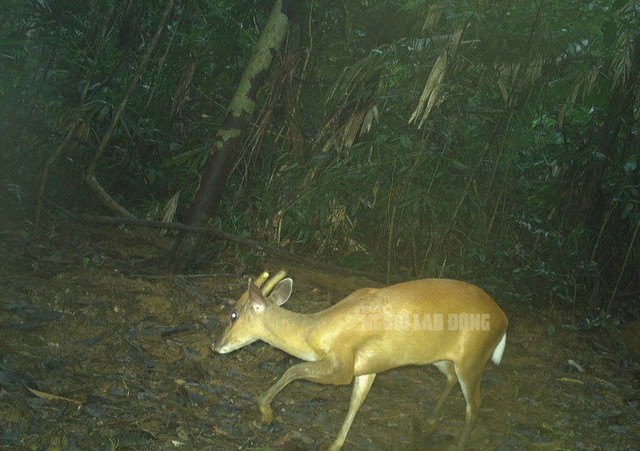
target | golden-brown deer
[{"x": 453, "y": 325}]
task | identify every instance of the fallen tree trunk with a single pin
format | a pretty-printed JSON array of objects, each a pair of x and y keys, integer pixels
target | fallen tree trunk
[{"x": 221, "y": 234}]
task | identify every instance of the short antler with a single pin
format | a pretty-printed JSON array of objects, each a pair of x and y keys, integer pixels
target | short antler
[
  {"x": 272, "y": 282},
  {"x": 265, "y": 283}
]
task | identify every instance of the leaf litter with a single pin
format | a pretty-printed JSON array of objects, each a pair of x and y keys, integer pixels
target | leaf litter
[{"x": 115, "y": 353}]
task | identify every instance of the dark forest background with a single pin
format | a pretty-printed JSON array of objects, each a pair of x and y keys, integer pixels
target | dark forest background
[{"x": 490, "y": 141}]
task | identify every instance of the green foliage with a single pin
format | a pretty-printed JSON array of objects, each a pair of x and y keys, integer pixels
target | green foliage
[
  {"x": 524, "y": 176},
  {"x": 70, "y": 62}
]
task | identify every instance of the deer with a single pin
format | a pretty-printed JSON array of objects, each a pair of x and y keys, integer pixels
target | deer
[{"x": 453, "y": 325}]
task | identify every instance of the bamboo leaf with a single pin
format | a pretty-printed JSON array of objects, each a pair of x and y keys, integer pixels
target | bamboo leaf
[
  {"x": 49, "y": 396},
  {"x": 430, "y": 92}
]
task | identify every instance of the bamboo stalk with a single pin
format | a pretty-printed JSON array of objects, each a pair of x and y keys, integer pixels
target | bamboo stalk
[{"x": 624, "y": 266}]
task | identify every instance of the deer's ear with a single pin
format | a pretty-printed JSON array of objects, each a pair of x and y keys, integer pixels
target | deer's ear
[{"x": 281, "y": 293}]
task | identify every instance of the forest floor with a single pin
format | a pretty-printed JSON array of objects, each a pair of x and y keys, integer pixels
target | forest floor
[{"x": 101, "y": 349}]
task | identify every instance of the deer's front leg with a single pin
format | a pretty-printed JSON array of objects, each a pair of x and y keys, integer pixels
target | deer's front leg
[{"x": 330, "y": 370}]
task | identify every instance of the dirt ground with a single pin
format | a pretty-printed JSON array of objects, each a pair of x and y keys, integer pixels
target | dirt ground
[{"x": 100, "y": 349}]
